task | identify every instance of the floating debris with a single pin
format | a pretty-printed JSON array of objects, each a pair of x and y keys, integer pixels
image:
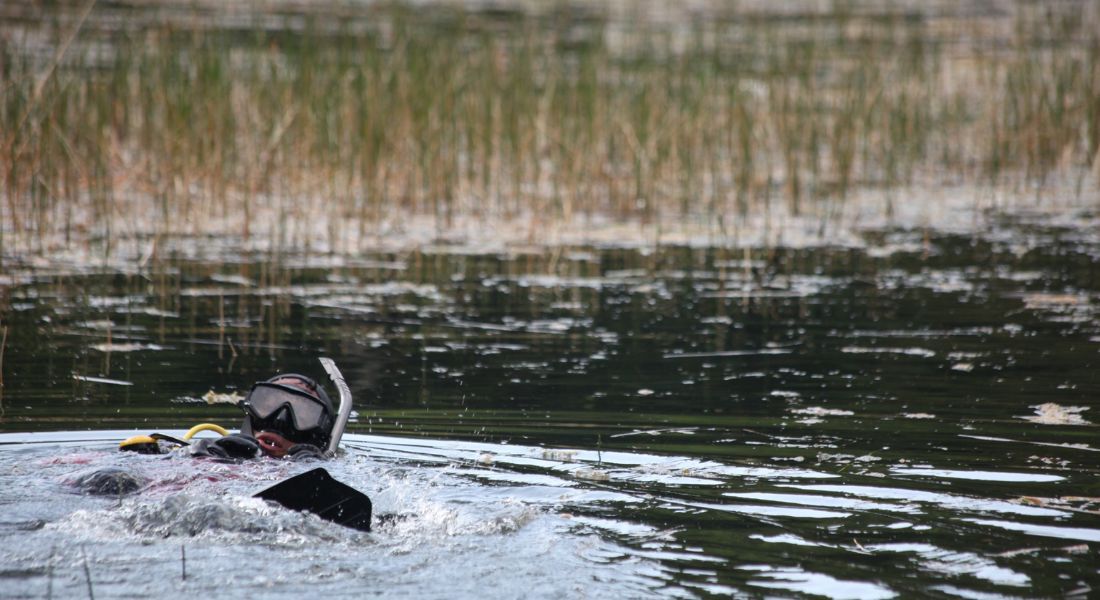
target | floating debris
[
  {"x": 785, "y": 394},
  {"x": 1050, "y": 413},
  {"x": 560, "y": 455},
  {"x": 91, "y": 379},
  {"x": 1051, "y": 444},
  {"x": 845, "y": 459},
  {"x": 762, "y": 351},
  {"x": 233, "y": 279},
  {"x": 129, "y": 347},
  {"x": 915, "y": 351},
  {"x": 1047, "y": 461},
  {"x": 964, "y": 355},
  {"x": 99, "y": 324},
  {"x": 818, "y": 411},
  {"x": 963, "y": 366},
  {"x": 1042, "y": 300},
  {"x": 592, "y": 475},
  {"x": 918, "y": 415},
  {"x": 976, "y": 475},
  {"x": 655, "y": 432},
  {"x": 213, "y": 397},
  {"x": 156, "y": 312}
]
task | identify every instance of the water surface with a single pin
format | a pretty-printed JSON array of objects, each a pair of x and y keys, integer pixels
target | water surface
[{"x": 914, "y": 416}]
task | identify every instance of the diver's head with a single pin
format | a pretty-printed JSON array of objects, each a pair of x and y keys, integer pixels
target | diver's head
[{"x": 287, "y": 410}]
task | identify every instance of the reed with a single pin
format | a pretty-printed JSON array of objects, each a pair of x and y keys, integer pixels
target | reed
[
  {"x": 3, "y": 345},
  {"x": 273, "y": 126},
  {"x": 87, "y": 573}
]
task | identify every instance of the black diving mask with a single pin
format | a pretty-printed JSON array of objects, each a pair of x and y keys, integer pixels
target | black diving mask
[{"x": 306, "y": 411}]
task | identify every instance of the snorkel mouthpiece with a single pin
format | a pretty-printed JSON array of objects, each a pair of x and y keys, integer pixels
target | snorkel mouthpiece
[{"x": 273, "y": 444}]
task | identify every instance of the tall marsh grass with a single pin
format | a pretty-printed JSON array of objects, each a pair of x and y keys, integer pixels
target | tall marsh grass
[{"x": 184, "y": 121}]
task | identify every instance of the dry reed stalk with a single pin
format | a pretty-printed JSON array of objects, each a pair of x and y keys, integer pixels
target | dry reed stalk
[
  {"x": 3, "y": 344},
  {"x": 264, "y": 134}
]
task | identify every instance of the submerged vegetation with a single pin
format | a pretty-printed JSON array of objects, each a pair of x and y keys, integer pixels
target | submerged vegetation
[{"x": 276, "y": 125}]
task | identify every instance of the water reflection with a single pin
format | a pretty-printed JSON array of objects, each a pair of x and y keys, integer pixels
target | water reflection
[{"x": 718, "y": 421}]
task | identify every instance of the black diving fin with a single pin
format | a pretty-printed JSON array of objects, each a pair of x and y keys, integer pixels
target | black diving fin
[{"x": 317, "y": 492}]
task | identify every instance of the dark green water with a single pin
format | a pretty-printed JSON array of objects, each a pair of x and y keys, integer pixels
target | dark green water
[{"x": 906, "y": 372}]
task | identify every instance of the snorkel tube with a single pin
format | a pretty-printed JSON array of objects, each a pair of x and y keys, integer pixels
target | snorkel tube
[{"x": 344, "y": 411}]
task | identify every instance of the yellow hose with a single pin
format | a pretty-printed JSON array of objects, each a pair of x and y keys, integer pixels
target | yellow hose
[
  {"x": 205, "y": 427},
  {"x": 139, "y": 443}
]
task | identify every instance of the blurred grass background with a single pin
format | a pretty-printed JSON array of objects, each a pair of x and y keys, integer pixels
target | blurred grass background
[{"x": 258, "y": 120}]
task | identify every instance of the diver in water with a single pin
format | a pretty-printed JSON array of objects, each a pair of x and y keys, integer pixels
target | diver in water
[
  {"x": 289, "y": 416},
  {"x": 286, "y": 416}
]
